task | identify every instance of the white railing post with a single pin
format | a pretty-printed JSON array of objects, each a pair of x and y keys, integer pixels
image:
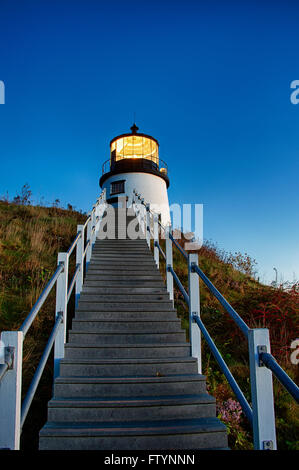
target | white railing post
[
  {"x": 156, "y": 239},
  {"x": 143, "y": 221},
  {"x": 264, "y": 432},
  {"x": 79, "y": 260},
  {"x": 169, "y": 262},
  {"x": 61, "y": 307},
  {"x": 148, "y": 224},
  {"x": 10, "y": 392},
  {"x": 194, "y": 309},
  {"x": 89, "y": 238},
  {"x": 93, "y": 226}
]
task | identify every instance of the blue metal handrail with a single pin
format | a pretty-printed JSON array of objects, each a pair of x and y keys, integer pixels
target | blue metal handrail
[
  {"x": 40, "y": 368},
  {"x": 160, "y": 249},
  {"x": 37, "y": 306},
  {"x": 269, "y": 361},
  {"x": 234, "y": 315},
  {"x": 223, "y": 366},
  {"x": 178, "y": 246},
  {"x": 72, "y": 283},
  {"x": 179, "y": 284}
]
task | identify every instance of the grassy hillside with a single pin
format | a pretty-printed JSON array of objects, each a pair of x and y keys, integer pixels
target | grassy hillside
[
  {"x": 260, "y": 306},
  {"x": 31, "y": 237}
]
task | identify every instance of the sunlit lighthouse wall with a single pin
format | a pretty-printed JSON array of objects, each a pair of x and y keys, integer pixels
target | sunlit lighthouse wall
[{"x": 135, "y": 164}]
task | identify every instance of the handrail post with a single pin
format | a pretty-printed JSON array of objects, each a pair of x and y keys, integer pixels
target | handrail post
[
  {"x": 169, "y": 261},
  {"x": 10, "y": 392},
  {"x": 89, "y": 238},
  {"x": 143, "y": 218},
  {"x": 93, "y": 226},
  {"x": 148, "y": 224},
  {"x": 194, "y": 309},
  {"x": 61, "y": 307},
  {"x": 264, "y": 432},
  {"x": 79, "y": 260},
  {"x": 156, "y": 240}
]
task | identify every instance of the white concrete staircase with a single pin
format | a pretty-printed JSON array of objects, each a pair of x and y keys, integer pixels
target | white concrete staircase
[{"x": 127, "y": 381}]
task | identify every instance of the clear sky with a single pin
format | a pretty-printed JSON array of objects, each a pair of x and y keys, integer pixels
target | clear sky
[{"x": 209, "y": 79}]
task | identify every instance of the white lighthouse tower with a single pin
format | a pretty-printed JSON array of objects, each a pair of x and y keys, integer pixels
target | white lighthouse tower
[{"x": 134, "y": 163}]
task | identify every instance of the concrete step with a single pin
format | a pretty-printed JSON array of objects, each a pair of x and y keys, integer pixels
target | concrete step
[
  {"x": 158, "y": 306},
  {"x": 124, "y": 315},
  {"x": 122, "y": 350},
  {"x": 115, "y": 276},
  {"x": 128, "y": 367},
  {"x": 122, "y": 268},
  {"x": 123, "y": 409},
  {"x": 123, "y": 264},
  {"x": 125, "y": 297},
  {"x": 83, "y": 338},
  {"x": 125, "y": 326},
  {"x": 166, "y": 434},
  {"x": 123, "y": 283},
  {"x": 126, "y": 249},
  {"x": 122, "y": 260},
  {"x": 123, "y": 290},
  {"x": 122, "y": 256},
  {"x": 116, "y": 243},
  {"x": 109, "y": 387}
]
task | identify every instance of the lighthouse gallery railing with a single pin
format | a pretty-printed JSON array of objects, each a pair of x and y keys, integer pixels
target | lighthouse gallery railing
[{"x": 261, "y": 362}]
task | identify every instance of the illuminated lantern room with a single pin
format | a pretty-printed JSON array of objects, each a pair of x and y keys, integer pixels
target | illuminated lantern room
[
  {"x": 135, "y": 163},
  {"x": 134, "y": 146}
]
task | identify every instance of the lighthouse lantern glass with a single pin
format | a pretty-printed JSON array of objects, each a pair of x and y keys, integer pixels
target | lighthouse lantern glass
[{"x": 134, "y": 146}]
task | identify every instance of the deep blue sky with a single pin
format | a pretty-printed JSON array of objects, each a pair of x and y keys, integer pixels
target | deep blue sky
[{"x": 210, "y": 80}]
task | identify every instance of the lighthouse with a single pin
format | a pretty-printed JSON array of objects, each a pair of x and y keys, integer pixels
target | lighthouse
[{"x": 135, "y": 164}]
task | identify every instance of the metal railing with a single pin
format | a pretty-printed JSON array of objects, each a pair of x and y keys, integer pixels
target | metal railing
[
  {"x": 13, "y": 413},
  {"x": 261, "y": 363},
  {"x": 147, "y": 163}
]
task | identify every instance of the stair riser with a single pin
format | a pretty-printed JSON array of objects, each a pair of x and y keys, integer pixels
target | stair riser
[
  {"x": 125, "y": 327},
  {"x": 123, "y": 264},
  {"x": 114, "y": 414},
  {"x": 123, "y": 268},
  {"x": 96, "y": 290},
  {"x": 110, "y": 390},
  {"x": 163, "y": 442},
  {"x": 125, "y": 315},
  {"x": 122, "y": 260},
  {"x": 121, "y": 246},
  {"x": 107, "y": 273},
  {"x": 126, "y": 352},
  {"x": 130, "y": 256},
  {"x": 123, "y": 283},
  {"x": 123, "y": 370},
  {"x": 125, "y": 306},
  {"x": 114, "y": 276},
  {"x": 136, "y": 297},
  {"x": 138, "y": 338}
]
